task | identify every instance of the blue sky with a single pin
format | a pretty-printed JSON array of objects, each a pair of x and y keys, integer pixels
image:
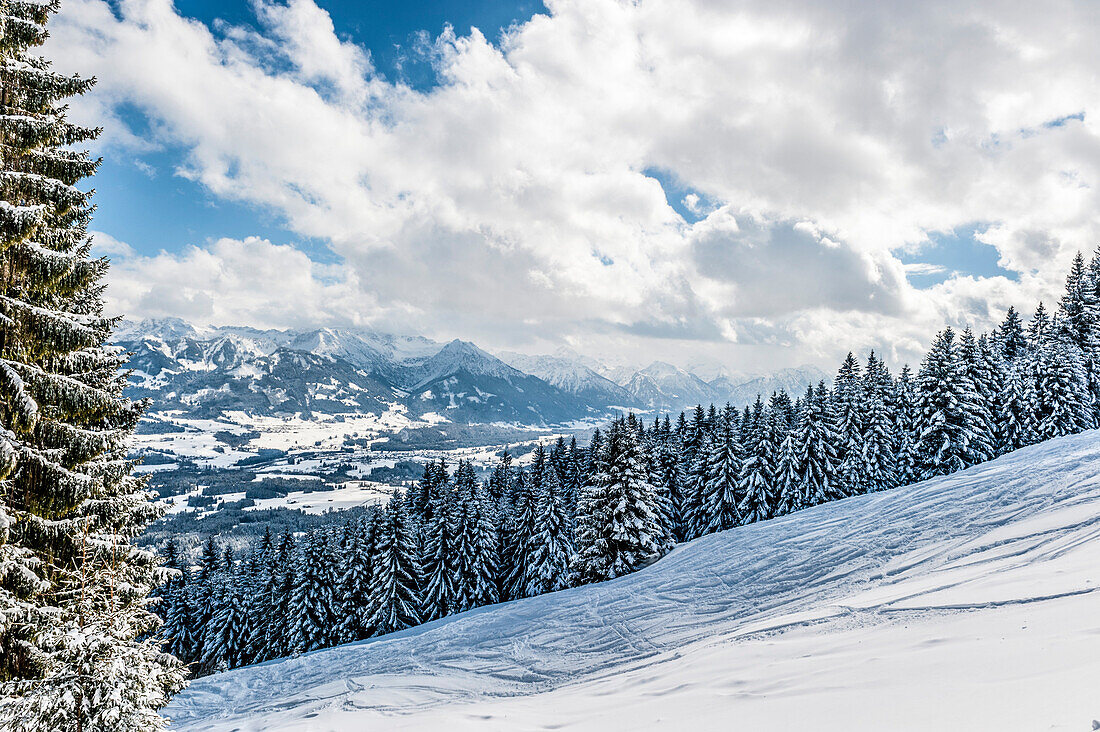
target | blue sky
[{"x": 756, "y": 183}]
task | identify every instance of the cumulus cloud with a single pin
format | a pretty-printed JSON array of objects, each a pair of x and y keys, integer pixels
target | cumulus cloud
[
  {"x": 509, "y": 204},
  {"x": 229, "y": 282}
]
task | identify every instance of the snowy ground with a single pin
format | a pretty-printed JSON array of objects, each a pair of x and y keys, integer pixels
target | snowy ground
[{"x": 963, "y": 603}]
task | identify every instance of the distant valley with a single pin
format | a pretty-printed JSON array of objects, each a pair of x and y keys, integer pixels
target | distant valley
[{"x": 244, "y": 420}]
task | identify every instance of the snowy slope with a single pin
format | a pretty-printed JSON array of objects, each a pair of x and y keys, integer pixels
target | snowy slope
[{"x": 961, "y": 603}]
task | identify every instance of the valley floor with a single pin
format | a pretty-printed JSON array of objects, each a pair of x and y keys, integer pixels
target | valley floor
[{"x": 962, "y": 603}]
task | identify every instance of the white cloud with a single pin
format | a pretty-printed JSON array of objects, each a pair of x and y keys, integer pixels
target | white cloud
[
  {"x": 105, "y": 245},
  {"x": 237, "y": 281},
  {"x": 840, "y": 132}
]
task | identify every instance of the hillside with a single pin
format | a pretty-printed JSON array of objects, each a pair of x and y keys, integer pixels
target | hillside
[{"x": 965, "y": 602}]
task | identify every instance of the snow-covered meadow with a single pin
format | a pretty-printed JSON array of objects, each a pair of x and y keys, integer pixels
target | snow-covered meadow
[{"x": 967, "y": 602}]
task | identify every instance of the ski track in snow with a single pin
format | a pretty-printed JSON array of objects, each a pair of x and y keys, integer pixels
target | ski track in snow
[{"x": 906, "y": 609}]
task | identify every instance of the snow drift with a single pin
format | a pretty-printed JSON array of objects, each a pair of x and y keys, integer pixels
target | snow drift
[{"x": 966, "y": 602}]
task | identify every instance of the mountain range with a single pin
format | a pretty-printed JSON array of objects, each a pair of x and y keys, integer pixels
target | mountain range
[{"x": 205, "y": 371}]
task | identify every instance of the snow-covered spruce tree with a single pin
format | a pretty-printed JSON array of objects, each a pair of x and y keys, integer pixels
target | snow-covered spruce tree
[
  {"x": 437, "y": 559},
  {"x": 226, "y": 636},
  {"x": 261, "y": 595},
  {"x": 815, "y": 450},
  {"x": 501, "y": 489},
  {"x": 353, "y": 587},
  {"x": 788, "y": 484},
  {"x": 695, "y": 433},
  {"x": 697, "y": 474},
  {"x": 523, "y": 529},
  {"x": 500, "y": 481},
  {"x": 1079, "y": 324},
  {"x": 570, "y": 476},
  {"x": 980, "y": 417},
  {"x": 77, "y": 629},
  {"x": 1062, "y": 402},
  {"x": 475, "y": 543},
  {"x": 783, "y": 410},
  {"x": 175, "y": 608},
  {"x": 756, "y": 483},
  {"x": 1009, "y": 336},
  {"x": 312, "y": 622},
  {"x": 878, "y": 463},
  {"x": 621, "y": 529},
  {"x": 848, "y": 411},
  {"x": 1039, "y": 329},
  {"x": 667, "y": 477},
  {"x": 553, "y": 546},
  {"x": 1015, "y": 425},
  {"x": 722, "y": 471},
  {"x": 906, "y": 428},
  {"x": 950, "y": 436},
  {"x": 1077, "y": 310},
  {"x": 277, "y": 635},
  {"x": 395, "y": 585}
]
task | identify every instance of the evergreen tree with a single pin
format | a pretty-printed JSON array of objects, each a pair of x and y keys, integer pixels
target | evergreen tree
[
  {"x": 179, "y": 624},
  {"x": 1010, "y": 336},
  {"x": 950, "y": 438},
  {"x": 1062, "y": 404},
  {"x": 848, "y": 412},
  {"x": 979, "y": 418},
  {"x": 788, "y": 480},
  {"x": 722, "y": 471},
  {"x": 77, "y": 628},
  {"x": 225, "y": 636},
  {"x": 312, "y": 622},
  {"x": 500, "y": 482},
  {"x": 262, "y": 600},
  {"x": 815, "y": 463},
  {"x": 618, "y": 527},
  {"x": 1077, "y": 312},
  {"x": 395, "y": 584},
  {"x": 354, "y": 584},
  {"x": 694, "y": 493},
  {"x": 524, "y": 528},
  {"x": 1039, "y": 329},
  {"x": 1079, "y": 325},
  {"x": 695, "y": 434},
  {"x": 906, "y": 429},
  {"x": 757, "y": 478},
  {"x": 278, "y": 639},
  {"x": 785, "y": 416},
  {"x": 1016, "y": 407},
  {"x": 668, "y": 480},
  {"x": 878, "y": 462},
  {"x": 438, "y": 557},
  {"x": 553, "y": 545},
  {"x": 475, "y": 543}
]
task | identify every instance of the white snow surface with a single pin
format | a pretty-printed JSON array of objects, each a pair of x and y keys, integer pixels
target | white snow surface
[{"x": 962, "y": 603}]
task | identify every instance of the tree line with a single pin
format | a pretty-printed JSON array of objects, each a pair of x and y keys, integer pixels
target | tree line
[{"x": 578, "y": 514}]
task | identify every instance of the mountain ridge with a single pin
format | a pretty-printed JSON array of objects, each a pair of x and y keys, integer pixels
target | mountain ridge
[{"x": 207, "y": 370}]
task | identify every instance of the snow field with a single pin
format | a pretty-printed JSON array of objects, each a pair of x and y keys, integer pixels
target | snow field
[{"x": 962, "y": 603}]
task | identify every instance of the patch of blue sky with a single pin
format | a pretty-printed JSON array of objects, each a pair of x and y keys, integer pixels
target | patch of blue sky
[
  {"x": 392, "y": 30},
  {"x": 691, "y": 204},
  {"x": 947, "y": 254}
]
